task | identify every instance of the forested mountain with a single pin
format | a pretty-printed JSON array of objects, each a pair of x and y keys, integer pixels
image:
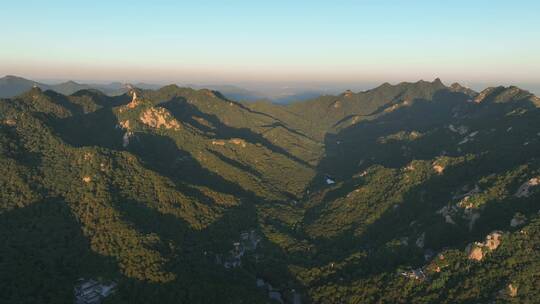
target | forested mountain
[
  {"x": 407, "y": 193},
  {"x": 11, "y": 86}
]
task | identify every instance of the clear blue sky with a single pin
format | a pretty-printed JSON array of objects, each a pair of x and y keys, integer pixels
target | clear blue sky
[{"x": 235, "y": 41}]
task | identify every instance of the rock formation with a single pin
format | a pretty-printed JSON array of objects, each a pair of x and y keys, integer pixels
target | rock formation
[{"x": 159, "y": 117}]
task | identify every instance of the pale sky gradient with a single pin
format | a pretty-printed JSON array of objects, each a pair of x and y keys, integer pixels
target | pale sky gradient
[{"x": 266, "y": 41}]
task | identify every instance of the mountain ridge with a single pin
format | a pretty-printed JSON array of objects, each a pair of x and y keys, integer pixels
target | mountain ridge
[
  {"x": 154, "y": 189},
  {"x": 277, "y": 95}
]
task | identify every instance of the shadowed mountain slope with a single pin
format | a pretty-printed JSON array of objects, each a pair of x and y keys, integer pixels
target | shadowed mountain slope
[{"x": 382, "y": 196}]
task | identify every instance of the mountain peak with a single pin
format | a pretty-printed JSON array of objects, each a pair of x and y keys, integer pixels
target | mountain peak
[
  {"x": 13, "y": 77},
  {"x": 171, "y": 86},
  {"x": 128, "y": 86},
  {"x": 501, "y": 94},
  {"x": 456, "y": 87},
  {"x": 348, "y": 93},
  {"x": 8, "y": 79},
  {"x": 35, "y": 88},
  {"x": 437, "y": 81}
]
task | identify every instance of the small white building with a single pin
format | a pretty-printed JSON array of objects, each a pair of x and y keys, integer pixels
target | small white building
[
  {"x": 92, "y": 291},
  {"x": 417, "y": 274}
]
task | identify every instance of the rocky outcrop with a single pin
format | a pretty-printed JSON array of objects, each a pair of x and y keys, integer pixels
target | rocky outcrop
[
  {"x": 134, "y": 101},
  {"x": 438, "y": 168},
  {"x": 468, "y": 138},
  {"x": 524, "y": 189},
  {"x": 502, "y": 94},
  {"x": 483, "y": 95},
  {"x": 478, "y": 250},
  {"x": 238, "y": 142},
  {"x": 10, "y": 122},
  {"x": 218, "y": 142},
  {"x": 158, "y": 118},
  {"x": 463, "y": 209},
  {"x": 456, "y": 87},
  {"x": 126, "y": 139},
  {"x": 235, "y": 141},
  {"x": 461, "y": 130},
  {"x": 447, "y": 212},
  {"x": 392, "y": 108},
  {"x": 125, "y": 125},
  {"x": 88, "y": 156},
  {"x": 132, "y": 104},
  {"x": 493, "y": 240},
  {"x": 403, "y": 136},
  {"x": 512, "y": 290},
  {"x": 209, "y": 93},
  {"x": 203, "y": 122},
  {"x": 536, "y": 100},
  {"x": 518, "y": 220},
  {"x": 467, "y": 195},
  {"x": 475, "y": 253}
]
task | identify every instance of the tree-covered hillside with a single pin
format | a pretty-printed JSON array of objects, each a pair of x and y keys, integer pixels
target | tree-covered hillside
[{"x": 408, "y": 193}]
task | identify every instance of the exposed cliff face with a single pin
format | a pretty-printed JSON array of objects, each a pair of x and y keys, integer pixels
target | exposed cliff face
[
  {"x": 135, "y": 102},
  {"x": 159, "y": 117}
]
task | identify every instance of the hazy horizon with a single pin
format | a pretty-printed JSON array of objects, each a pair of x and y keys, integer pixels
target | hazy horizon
[
  {"x": 488, "y": 42},
  {"x": 291, "y": 87}
]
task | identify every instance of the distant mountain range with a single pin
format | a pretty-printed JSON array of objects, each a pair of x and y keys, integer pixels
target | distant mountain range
[
  {"x": 417, "y": 192},
  {"x": 13, "y": 85}
]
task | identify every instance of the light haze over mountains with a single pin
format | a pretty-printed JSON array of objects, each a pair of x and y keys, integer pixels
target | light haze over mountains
[
  {"x": 275, "y": 92},
  {"x": 480, "y": 43}
]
